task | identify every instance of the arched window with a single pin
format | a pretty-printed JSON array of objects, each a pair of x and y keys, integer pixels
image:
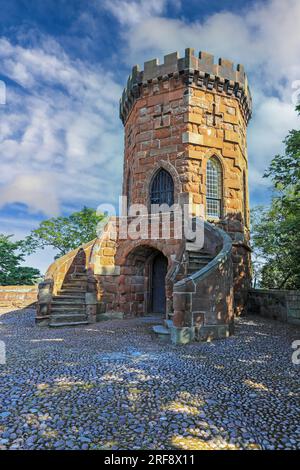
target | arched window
[
  {"x": 245, "y": 199},
  {"x": 213, "y": 188},
  {"x": 162, "y": 188},
  {"x": 128, "y": 190}
]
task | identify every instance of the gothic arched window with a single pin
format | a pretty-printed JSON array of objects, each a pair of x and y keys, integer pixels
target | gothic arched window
[
  {"x": 245, "y": 199},
  {"x": 162, "y": 188},
  {"x": 128, "y": 190},
  {"x": 213, "y": 188}
]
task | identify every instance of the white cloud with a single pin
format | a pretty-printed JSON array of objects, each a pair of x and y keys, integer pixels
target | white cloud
[
  {"x": 264, "y": 37},
  {"x": 38, "y": 191},
  {"x": 273, "y": 120},
  {"x": 265, "y": 34},
  {"x": 60, "y": 136},
  {"x": 132, "y": 12}
]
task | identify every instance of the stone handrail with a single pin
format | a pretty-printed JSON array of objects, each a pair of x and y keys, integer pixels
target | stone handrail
[
  {"x": 54, "y": 279},
  {"x": 174, "y": 269},
  {"x": 220, "y": 258},
  {"x": 59, "y": 268},
  {"x": 197, "y": 296}
]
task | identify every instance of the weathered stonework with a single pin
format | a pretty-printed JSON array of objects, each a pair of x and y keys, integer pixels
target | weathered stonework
[
  {"x": 281, "y": 305},
  {"x": 17, "y": 296},
  {"x": 176, "y": 116}
]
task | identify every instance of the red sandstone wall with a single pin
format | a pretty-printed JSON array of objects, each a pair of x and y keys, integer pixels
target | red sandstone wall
[{"x": 17, "y": 296}]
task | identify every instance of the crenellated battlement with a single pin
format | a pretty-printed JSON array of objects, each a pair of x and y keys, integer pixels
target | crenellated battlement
[{"x": 202, "y": 71}]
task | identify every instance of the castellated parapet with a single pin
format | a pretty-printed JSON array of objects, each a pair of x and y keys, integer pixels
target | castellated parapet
[{"x": 222, "y": 77}]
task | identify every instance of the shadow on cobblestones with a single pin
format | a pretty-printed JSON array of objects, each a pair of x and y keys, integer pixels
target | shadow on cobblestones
[{"x": 113, "y": 385}]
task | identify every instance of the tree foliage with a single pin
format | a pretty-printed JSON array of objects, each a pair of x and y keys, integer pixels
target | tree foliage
[
  {"x": 11, "y": 257},
  {"x": 65, "y": 233},
  {"x": 276, "y": 230}
]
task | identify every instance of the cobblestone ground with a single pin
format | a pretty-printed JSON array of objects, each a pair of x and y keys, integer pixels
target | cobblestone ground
[{"x": 114, "y": 386}]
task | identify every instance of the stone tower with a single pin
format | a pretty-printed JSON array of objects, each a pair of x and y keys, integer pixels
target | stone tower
[
  {"x": 185, "y": 142},
  {"x": 189, "y": 115}
]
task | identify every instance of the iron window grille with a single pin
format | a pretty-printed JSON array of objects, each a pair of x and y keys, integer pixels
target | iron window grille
[
  {"x": 162, "y": 189},
  {"x": 213, "y": 189}
]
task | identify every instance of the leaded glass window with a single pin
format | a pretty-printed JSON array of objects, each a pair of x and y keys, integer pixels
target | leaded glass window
[
  {"x": 162, "y": 188},
  {"x": 213, "y": 188},
  {"x": 128, "y": 190},
  {"x": 245, "y": 198}
]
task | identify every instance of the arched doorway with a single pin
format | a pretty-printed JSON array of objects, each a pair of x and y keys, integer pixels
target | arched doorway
[
  {"x": 142, "y": 286},
  {"x": 159, "y": 267}
]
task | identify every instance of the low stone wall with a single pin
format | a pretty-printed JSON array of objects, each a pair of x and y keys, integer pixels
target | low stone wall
[
  {"x": 17, "y": 296},
  {"x": 281, "y": 305}
]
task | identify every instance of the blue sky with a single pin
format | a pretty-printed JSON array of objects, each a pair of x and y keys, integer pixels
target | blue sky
[{"x": 65, "y": 62}]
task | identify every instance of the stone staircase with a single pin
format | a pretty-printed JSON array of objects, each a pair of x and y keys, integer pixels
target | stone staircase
[
  {"x": 68, "y": 306},
  {"x": 196, "y": 260},
  {"x": 163, "y": 331}
]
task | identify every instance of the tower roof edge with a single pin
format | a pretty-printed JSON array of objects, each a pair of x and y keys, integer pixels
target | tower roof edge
[{"x": 227, "y": 77}]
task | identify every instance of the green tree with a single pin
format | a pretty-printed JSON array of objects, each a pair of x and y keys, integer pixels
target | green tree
[
  {"x": 276, "y": 229},
  {"x": 11, "y": 256},
  {"x": 65, "y": 233}
]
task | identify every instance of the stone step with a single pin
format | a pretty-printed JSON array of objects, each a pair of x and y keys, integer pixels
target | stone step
[
  {"x": 68, "y": 310},
  {"x": 68, "y": 317},
  {"x": 70, "y": 295},
  {"x": 201, "y": 252},
  {"x": 196, "y": 256},
  {"x": 168, "y": 323},
  {"x": 161, "y": 330},
  {"x": 77, "y": 300},
  {"x": 80, "y": 287},
  {"x": 199, "y": 260},
  {"x": 69, "y": 300},
  {"x": 192, "y": 247},
  {"x": 78, "y": 276},
  {"x": 76, "y": 323},
  {"x": 196, "y": 267},
  {"x": 75, "y": 281},
  {"x": 67, "y": 289}
]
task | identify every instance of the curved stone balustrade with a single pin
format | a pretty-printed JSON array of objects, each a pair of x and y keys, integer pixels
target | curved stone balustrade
[{"x": 205, "y": 297}]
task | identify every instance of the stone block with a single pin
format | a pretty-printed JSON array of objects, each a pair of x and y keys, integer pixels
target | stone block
[
  {"x": 232, "y": 136},
  {"x": 90, "y": 298},
  {"x": 182, "y": 335},
  {"x": 192, "y": 138},
  {"x": 42, "y": 321},
  {"x": 212, "y": 332},
  {"x": 195, "y": 118},
  {"x": 109, "y": 316},
  {"x": 107, "y": 261},
  {"x": 205, "y": 58},
  {"x": 107, "y": 270},
  {"x": 231, "y": 119}
]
